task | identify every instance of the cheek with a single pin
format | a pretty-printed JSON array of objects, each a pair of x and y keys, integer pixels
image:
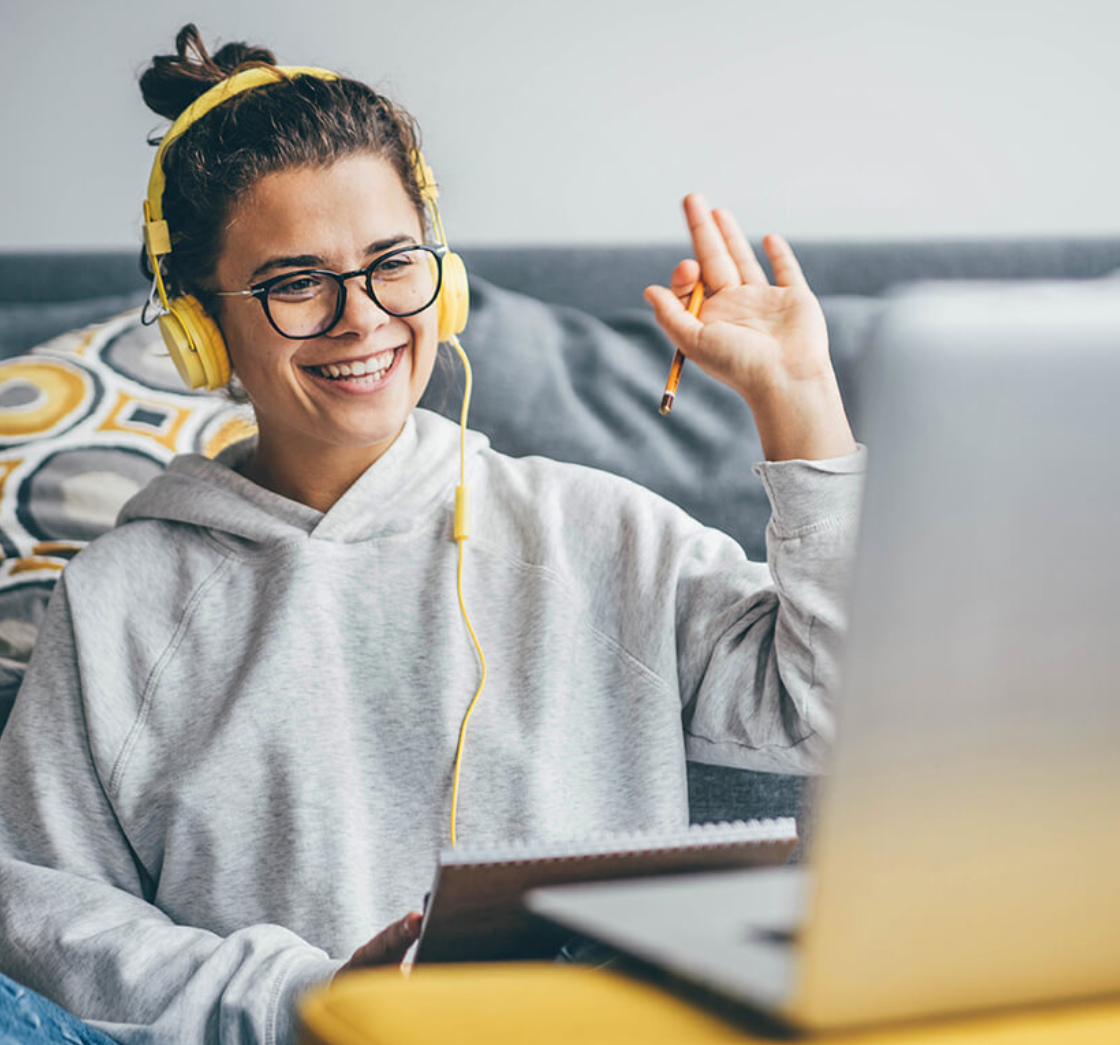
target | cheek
[
  {"x": 231, "y": 322},
  {"x": 247, "y": 336},
  {"x": 425, "y": 334}
]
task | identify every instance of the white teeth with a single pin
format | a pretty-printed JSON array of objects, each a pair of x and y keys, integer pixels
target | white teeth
[{"x": 374, "y": 368}]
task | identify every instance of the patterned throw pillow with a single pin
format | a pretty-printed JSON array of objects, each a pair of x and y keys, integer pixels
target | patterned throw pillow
[{"x": 86, "y": 419}]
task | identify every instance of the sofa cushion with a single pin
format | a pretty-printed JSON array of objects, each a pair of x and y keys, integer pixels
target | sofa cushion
[{"x": 85, "y": 420}]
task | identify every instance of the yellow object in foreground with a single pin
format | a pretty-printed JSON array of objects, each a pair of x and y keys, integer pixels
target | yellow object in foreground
[{"x": 543, "y": 1003}]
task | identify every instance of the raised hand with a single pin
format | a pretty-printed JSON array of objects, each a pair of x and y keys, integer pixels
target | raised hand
[{"x": 768, "y": 342}]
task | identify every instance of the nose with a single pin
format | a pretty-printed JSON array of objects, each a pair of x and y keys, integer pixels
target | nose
[{"x": 360, "y": 313}]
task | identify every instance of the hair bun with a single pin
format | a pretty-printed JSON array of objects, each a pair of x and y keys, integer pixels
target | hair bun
[{"x": 173, "y": 81}]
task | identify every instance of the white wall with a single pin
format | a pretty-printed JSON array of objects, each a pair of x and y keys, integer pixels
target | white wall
[{"x": 586, "y": 120}]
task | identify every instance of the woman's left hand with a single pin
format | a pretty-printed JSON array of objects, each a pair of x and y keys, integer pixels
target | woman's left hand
[{"x": 767, "y": 342}]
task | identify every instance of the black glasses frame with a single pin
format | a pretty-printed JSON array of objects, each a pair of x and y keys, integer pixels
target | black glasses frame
[{"x": 260, "y": 290}]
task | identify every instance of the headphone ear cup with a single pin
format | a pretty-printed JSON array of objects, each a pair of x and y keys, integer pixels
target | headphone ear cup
[
  {"x": 454, "y": 299},
  {"x": 195, "y": 344}
]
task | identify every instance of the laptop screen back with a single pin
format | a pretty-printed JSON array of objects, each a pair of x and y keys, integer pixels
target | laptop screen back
[{"x": 968, "y": 837}]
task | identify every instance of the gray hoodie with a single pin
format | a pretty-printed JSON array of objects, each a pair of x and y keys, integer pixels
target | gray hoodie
[{"x": 230, "y": 762}]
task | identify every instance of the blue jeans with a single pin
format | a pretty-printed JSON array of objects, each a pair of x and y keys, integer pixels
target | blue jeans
[{"x": 27, "y": 1018}]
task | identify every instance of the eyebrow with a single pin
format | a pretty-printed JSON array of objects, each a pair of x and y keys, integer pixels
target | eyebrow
[{"x": 315, "y": 261}]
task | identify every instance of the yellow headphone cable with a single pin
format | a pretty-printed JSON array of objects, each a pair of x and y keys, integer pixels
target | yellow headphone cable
[{"x": 461, "y": 532}]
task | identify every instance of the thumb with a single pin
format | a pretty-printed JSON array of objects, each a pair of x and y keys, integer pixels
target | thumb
[{"x": 679, "y": 324}]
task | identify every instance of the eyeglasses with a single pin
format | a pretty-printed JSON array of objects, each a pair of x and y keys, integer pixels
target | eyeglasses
[{"x": 309, "y": 302}]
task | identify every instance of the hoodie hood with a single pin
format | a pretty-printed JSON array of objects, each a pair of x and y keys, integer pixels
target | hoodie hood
[{"x": 415, "y": 477}]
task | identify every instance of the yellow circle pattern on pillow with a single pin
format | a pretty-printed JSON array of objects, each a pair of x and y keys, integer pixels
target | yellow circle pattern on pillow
[{"x": 59, "y": 392}]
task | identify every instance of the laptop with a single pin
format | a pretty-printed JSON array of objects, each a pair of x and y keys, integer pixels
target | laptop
[{"x": 965, "y": 850}]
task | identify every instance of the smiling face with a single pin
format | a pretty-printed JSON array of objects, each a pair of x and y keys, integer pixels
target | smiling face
[{"x": 313, "y": 423}]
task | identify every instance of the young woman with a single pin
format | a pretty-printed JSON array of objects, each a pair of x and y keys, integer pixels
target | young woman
[{"x": 233, "y": 757}]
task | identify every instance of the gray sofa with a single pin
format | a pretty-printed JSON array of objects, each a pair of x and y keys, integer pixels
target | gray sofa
[{"x": 569, "y": 363}]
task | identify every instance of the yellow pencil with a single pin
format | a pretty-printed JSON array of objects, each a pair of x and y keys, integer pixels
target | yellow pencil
[{"x": 694, "y": 303}]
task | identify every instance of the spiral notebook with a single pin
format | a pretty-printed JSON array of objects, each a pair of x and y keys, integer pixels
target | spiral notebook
[{"x": 475, "y": 912}]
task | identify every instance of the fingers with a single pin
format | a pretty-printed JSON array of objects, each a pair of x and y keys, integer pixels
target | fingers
[
  {"x": 739, "y": 248},
  {"x": 390, "y": 945},
  {"x": 715, "y": 259},
  {"x": 787, "y": 271},
  {"x": 725, "y": 255}
]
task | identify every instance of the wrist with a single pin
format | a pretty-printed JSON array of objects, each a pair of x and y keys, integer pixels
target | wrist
[{"x": 803, "y": 420}]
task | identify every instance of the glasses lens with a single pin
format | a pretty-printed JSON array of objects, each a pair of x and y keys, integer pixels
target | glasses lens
[
  {"x": 406, "y": 281},
  {"x": 304, "y": 304}
]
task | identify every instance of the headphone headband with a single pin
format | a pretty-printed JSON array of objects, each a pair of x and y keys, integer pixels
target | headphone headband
[
  {"x": 156, "y": 234},
  {"x": 222, "y": 91}
]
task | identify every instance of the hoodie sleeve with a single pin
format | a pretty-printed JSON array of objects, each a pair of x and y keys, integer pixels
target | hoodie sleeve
[
  {"x": 758, "y": 650},
  {"x": 74, "y": 921}
]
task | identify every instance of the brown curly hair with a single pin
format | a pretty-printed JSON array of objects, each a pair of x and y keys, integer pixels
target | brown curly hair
[{"x": 295, "y": 122}]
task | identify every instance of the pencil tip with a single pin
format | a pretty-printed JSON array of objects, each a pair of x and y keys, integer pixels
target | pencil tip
[{"x": 667, "y": 402}]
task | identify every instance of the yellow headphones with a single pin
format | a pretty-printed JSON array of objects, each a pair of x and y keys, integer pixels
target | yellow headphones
[{"x": 192, "y": 337}]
